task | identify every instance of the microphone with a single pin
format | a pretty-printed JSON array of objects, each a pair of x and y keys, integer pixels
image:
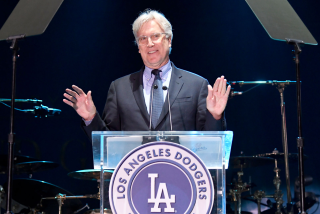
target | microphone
[
  {"x": 43, "y": 111},
  {"x": 154, "y": 87},
  {"x": 234, "y": 93},
  {"x": 166, "y": 88}
]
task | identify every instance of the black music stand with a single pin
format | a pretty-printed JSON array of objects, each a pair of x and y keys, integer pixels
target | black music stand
[
  {"x": 283, "y": 24},
  {"x": 28, "y": 18}
]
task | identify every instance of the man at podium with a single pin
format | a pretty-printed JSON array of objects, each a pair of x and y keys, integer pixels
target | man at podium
[{"x": 158, "y": 97}]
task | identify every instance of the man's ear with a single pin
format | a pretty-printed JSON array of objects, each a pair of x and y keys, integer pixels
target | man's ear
[{"x": 169, "y": 42}]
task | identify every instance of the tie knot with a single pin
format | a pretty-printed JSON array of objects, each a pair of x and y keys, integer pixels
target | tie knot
[{"x": 155, "y": 72}]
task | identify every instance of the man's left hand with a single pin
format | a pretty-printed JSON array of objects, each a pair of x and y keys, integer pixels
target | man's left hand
[{"x": 218, "y": 97}]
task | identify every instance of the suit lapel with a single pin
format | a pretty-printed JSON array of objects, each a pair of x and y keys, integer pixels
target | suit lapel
[
  {"x": 137, "y": 89},
  {"x": 175, "y": 85}
]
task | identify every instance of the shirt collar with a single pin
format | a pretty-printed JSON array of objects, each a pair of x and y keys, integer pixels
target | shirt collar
[{"x": 163, "y": 75}]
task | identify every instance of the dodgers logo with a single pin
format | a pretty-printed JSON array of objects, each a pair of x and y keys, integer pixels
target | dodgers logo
[{"x": 161, "y": 177}]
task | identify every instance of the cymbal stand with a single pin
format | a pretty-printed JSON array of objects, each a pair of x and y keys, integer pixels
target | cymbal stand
[
  {"x": 258, "y": 195},
  {"x": 277, "y": 193},
  {"x": 60, "y": 197},
  {"x": 280, "y": 87},
  {"x": 240, "y": 187}
]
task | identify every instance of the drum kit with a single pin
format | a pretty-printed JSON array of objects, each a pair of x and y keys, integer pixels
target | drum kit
[
  {"x": 235, "y": 194},
  {"x": 30, "y": 196}
]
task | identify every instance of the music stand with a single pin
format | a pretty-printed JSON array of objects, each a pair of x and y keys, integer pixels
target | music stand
[
  {"x": 282, "y": 23},
  {"x": 28, "y": 18}
]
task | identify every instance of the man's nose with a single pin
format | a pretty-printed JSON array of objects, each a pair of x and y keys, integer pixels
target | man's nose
[{"x": 150, "y": 43}]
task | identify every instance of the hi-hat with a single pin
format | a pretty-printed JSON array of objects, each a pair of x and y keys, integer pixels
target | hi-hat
[
  {"x": 17, "y": 159},
  {"x": 34, "y": 166}
]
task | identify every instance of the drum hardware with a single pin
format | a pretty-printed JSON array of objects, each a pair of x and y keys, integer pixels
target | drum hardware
[
  {"x": 252, "y": 198},
  {"x": 310, "y": 200},
  {"x": 62, "y": 197},
  {"x": 79, "y": 210},
  {"x": 277, "y": 193},
  {"x": 280, "y": 158},
  {"x": 281, "y": 87},
  {"x": 258, "y": 195},
  {"x": 93, "y": 175},
  {"x": 310, "y": 197},
  {"x": 97, "y": 211},
  {"x": 235, "y": 193},
  {"x": 240, "y": 187}
]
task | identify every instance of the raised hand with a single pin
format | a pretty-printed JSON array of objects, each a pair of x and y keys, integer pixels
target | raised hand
[
  {"x": 218, "y": 97},
  {"x": 81, "y": 102}
]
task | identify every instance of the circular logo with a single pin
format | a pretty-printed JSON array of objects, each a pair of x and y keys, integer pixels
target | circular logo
[{"x": 161, "y": 177}]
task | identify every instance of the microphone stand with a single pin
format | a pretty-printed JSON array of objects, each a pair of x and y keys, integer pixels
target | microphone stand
[
  {"x": 14, "y": 47},
  {"x": 297, "y": 50},
  {"x": 26, "y": 19}
]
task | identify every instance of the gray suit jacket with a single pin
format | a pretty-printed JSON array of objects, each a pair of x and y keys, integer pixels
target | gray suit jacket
[{"x": 125, "y": 108}]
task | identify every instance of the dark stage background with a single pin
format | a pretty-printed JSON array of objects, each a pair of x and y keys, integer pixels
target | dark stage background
[{"x": 90, "y": 43}]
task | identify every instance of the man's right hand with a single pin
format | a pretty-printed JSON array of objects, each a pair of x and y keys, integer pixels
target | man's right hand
[{"x": 81, "y": 102}]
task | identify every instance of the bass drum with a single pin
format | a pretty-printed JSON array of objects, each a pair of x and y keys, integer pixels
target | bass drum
[
  {"x": 27, "y": 193},
  {"x": 15, "y": 206}
]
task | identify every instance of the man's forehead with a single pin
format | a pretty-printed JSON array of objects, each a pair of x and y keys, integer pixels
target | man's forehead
[{"x": 149, "y": 25}]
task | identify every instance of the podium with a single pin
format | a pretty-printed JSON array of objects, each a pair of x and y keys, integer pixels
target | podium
[{"x": 184, "y": 157}]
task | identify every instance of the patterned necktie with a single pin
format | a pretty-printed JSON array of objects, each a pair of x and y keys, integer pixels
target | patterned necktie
[{"x": 157, "y": 100}]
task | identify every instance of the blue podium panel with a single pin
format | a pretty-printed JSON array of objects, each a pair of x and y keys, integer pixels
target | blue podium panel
[{"x": 163, "y": 172}]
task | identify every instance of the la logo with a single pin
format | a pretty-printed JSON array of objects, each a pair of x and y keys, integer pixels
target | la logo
[{"x": 157, "y": 200}]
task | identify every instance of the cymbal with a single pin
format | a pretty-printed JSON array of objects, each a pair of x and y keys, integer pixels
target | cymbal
[
  {"x": 90, "y": 174},
  {"x": 16, "y": 159},
  {"x": 97, "y": 211},
  {"x": 249, "y": 185},
  {"x": 29, "y": 193},
  {"x": 249, "y": 161},
  {"x": 34, "y": 166},
  {"x": 280, "y": 156}
]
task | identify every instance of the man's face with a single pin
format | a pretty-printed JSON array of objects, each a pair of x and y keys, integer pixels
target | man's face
[{"x": 154, "y": 54}]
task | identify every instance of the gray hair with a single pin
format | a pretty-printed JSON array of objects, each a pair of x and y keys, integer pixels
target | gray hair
[{"x": 149, "y": 15}]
